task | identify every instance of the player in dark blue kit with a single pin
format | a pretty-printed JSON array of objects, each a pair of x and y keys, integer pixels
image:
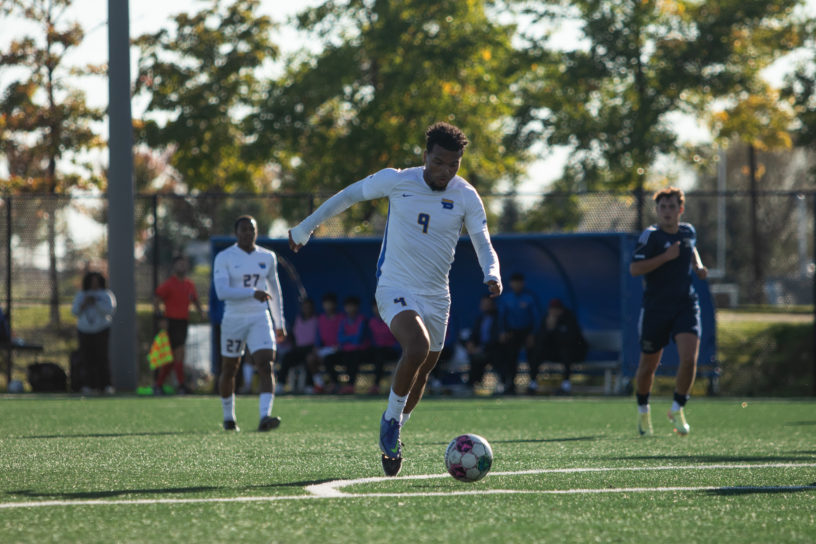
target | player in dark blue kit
[{"x": 666, "y": 256}]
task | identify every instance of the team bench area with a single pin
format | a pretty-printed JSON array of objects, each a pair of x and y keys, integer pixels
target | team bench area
[{"x": 589, "y": 272}]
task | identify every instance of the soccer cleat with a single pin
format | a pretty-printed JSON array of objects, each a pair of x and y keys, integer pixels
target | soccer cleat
[
  {"x": 391, "y": 465},
  {"x": 678, "y": 418},
  {"x": 390, "y": 437},
  {"x": 645, "y": 424},
  {"x": 268, "y": 423},
  {"x": 229, "y": 425},
  {"x": 391, "y": 446}
]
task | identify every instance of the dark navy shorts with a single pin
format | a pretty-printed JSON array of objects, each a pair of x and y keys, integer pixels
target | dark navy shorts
[{"x": 658, "y": 327}]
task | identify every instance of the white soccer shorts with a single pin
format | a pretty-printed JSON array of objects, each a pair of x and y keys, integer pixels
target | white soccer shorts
[
  {"x": 433, "y": 310},
  {"x": 252, "y": 331}
]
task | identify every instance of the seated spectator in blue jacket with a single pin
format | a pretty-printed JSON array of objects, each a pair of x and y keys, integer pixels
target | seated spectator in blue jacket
[
  {"x": 483, "y": 345},
  {"x": 352, "y": 343},
  {"x": 518, "y": 317}
]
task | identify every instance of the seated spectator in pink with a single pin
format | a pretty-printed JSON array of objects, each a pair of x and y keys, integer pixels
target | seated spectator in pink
[
  {"x": 328, "y": 325},
  {"x": 305, "y": 333},
  {"x": 384, "y": 347}
]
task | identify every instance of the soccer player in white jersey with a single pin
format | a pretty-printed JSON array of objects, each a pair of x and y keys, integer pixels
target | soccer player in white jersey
[
  {"x": 246, "y": 279},
  {"x": 427, "y": 208}
]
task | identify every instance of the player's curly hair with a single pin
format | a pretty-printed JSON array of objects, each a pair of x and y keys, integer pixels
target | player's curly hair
[
  {"x": 247, "y": 218},
  {"x": 669, "y": 192},
  {"x": 446, "y": 135}
]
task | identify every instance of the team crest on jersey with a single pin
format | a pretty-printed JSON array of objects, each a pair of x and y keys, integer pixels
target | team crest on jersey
[
  {"x": 262, "y": 265},
  {"x": 447, "y": 204}
]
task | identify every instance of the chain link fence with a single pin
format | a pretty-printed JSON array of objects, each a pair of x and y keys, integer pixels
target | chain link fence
[{"x": 759, "y": 246}]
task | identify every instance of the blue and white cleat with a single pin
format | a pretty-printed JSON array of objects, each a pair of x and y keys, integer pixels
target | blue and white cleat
[
  {"x": 391, "y": 446},
  {"x": 678, "y": 418}
]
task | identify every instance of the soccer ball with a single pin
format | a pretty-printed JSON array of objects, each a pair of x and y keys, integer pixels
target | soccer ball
[{"x": 468, "y": 457}]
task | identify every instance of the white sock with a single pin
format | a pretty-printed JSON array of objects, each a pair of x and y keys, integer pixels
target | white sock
[
  {"x": 228, "y": 406},
  {"x": 643, "y": 408},
  {"x": 265, "y": 404},
  {"x": 675, "y": 407},
  {"x": 395, "y": 405},
  {"x": 405, "y": 418}
]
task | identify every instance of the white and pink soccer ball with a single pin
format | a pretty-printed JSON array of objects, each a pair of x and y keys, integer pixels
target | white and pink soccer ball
[{"x": 468, "y": 457}]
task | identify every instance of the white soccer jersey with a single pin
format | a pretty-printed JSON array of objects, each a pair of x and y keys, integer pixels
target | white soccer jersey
[
  {"x": 423, "y": 228},
  {"x": 238, "y": 274}
]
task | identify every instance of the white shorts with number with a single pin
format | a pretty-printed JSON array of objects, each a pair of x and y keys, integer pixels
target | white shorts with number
[
  {"x": 240, "y": 331},
  {"x": 433, "y": 310}
]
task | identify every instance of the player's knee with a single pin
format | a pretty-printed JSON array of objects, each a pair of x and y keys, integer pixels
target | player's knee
[
  {"x": 418, "y": 347},
  {"x": 229, "y": 366}
]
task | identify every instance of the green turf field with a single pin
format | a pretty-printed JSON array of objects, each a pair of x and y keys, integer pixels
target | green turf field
[{"x": 128, "y": 469}]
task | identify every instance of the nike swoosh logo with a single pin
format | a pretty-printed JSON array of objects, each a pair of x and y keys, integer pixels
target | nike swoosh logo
[
  {"x": 406, "y": 194},
  {"x": 395, "y": 449}
]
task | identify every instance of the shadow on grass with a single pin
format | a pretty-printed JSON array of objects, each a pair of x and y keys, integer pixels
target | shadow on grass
[
  {"x": 524, "y": 440},
  {"x": 799, "y": 423},
  {"x": 716, "y": 458},
  {"x": 108, "y": 435},
  {"x": 750, "y": 490},
  {"x": 157, "y": 491}
]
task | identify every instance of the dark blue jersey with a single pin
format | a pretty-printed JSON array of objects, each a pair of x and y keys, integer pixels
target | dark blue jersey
[{"x": 670, "y": 283}]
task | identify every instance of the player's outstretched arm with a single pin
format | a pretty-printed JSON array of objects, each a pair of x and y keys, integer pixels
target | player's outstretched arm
[{"x": 300, "y": 234}]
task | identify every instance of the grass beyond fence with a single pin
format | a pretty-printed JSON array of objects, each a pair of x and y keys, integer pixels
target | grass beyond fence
[{"x": 762, "y": 351}]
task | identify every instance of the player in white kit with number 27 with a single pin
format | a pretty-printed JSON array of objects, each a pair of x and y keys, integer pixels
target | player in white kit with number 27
[
  {"x": 427, "y": 208},
  {"x": 246, "y": 279}
]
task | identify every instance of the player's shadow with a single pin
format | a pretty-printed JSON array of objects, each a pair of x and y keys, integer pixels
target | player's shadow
[
  {"x": 106, "y": 435},
  {"x": 716, "y": 458},
  {"x": 545, "y": 440},
  {"x": 110, "y": 493},
  {"x": 799, "y": 423},
  {"x": 524, "y": 440},
  {"x": 748, "y": 490}
]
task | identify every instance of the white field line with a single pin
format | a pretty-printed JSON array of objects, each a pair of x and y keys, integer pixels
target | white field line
[{"x": 332, "y": 489}]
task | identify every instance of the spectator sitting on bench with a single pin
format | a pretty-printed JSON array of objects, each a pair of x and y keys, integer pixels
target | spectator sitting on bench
[
  {"x": 305, "y": 338},
  {"x": 483, "y": 343},
  {"x": 384, "y": 347},
  {"x": 352, "y": 340},
  {"x": 519, "y": 316},
  {"x": 559, "y": 339},
  {"x": 328, "y": 324}
]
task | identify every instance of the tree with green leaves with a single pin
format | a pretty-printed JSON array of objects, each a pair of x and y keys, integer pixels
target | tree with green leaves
[
  {"x": 609, "y": 93},
  {"x": 800, "y": 88},
  {"x": 202, "y": 81},
  {"x": 384, "y": 72},
  {"x": 45, "y": 122}
]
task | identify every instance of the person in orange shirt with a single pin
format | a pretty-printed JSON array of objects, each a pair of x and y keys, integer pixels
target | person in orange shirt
[{"x": 176, "y": 293}]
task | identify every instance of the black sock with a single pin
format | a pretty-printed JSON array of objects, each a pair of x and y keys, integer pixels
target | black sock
[
  {"x": 642, "y": 400},
  {"x": 680, "y": 399}
]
